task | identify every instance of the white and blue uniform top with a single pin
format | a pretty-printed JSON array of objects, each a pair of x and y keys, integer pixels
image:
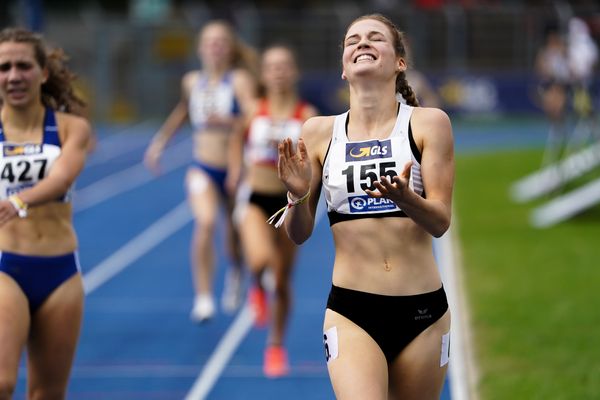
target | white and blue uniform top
[
  {"x": 351, "y": 167},
  {"x": 217, "y": 100},
  {"x": 23, "y": 165}
]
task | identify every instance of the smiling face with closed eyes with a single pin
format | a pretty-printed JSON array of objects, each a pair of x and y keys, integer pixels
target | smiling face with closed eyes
[{"x": 369, "y": 50}]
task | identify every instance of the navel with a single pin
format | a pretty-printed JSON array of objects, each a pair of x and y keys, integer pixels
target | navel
[{"x": 386, "y": 265}]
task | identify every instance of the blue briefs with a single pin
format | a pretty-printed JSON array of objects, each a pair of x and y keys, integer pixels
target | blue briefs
[
  {"x": 217, "y": 175},
  {"x": 38, "y": 276}
]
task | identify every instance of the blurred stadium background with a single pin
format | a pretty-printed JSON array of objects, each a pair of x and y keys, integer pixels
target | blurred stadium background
[
  {"x": 130, "y": 55},
  {"x": 532, "y": 294}
]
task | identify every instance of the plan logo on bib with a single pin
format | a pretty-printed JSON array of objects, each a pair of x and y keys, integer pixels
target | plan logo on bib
[{"x": 362, "y": 204}]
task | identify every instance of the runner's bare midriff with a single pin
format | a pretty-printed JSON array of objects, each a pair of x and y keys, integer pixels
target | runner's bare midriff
[{"x": 46, "y": 231}]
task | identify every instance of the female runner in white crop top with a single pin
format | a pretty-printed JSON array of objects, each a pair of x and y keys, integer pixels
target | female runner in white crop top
[
  {"x": 279, "y": 114},
  {"x": 387, "y": 322}
]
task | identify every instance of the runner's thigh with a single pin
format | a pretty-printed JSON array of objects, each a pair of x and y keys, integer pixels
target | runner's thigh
[{"x": 357, "y": 367}]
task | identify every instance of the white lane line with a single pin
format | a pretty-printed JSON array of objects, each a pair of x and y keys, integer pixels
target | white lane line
[
  {"x": 164, "y": 227},
  {"x": 101, "y": 372},
  {"x": 121, "y": 371},
  {"x": 232, "y": 339},
  {"x": 219, "y": 359},
  {"x": 129, "y": 178},
  {"x": 461, "y": 364}
]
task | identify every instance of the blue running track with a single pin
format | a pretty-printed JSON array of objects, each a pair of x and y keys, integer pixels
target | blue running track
[{"x": 137, "y": 340}]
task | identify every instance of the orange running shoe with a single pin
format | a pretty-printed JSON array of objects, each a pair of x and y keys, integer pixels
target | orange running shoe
[
  {"x": 258, "y": 301},
  {"x": 276, "y": 362}
]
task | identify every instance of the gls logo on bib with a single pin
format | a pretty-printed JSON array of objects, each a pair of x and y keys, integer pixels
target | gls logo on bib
[
  {"x": 368, "y": 150},
  {"x": 12, "y": 150}
]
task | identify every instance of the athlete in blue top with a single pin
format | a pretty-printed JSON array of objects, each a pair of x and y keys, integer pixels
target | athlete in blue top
[
  {"x": 42, "y": 151},
  {"x": 387, "y": 173},
  {"x": 214, "y": 98}
]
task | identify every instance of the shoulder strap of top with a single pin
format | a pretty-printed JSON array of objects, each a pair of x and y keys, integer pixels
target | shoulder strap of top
[
  {"x": 50, "y": 128},
  {"x": 404, "y": 114},
  {"x": 227, "y": 77},
  {"x": 300, "y": 106},
  {"x": 339, "y": 127},
  {"x": 50, "y": 135},
  {"x": 263, "y": 107},
  {"x": 199, "y": 81}
]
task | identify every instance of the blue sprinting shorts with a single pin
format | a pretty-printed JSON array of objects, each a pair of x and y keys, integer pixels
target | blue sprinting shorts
[{"x": 38, "y": 276}]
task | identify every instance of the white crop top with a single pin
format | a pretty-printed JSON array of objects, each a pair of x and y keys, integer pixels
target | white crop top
[
  {"x": 351, "y": 167},
  {"x": 23, "y": 165},
  {"x": 208, "y": 100}
]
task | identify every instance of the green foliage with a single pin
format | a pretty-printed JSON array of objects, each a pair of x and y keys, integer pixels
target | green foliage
[{"x": 533, "y": 293}]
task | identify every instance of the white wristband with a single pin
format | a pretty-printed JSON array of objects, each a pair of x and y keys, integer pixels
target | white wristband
[
  {"x": 284, "y": 210},
  {"x": 19, "y": 205}
]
